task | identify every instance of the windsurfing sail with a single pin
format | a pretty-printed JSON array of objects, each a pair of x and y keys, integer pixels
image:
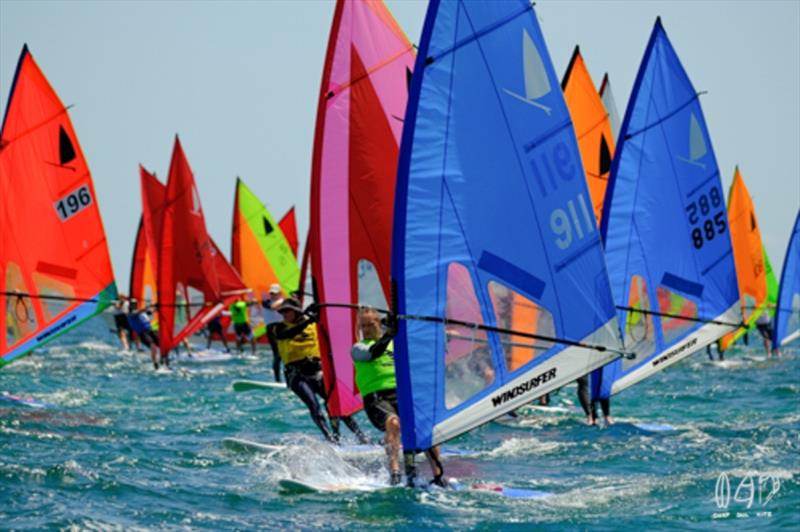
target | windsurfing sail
[
  {"x": 195, "y": 282},
  {"x": 492, "y": 214},
  {"x": 592, "y": 127},
  {"x": 288, "y": 225},
  {"x": 787, "y": 317},
  {"x": 359, "y": 121},
  {"x": 772, "y": 285},
  {"x": 259, "y": 250},
  {"x": 750, "y": 255},
  {"x": 607, "y": 95},
  {"x": 54, "y": 264},
  {"x": 144, "y": 287},
  {"x": 664, "y": 225}
]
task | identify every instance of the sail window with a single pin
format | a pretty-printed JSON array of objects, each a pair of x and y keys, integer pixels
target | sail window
[
  {"x": 514, "y": 311},
  {"x": 678, "y": 307},
  {"x": 48, "y": 286},
  {"x": 640, "y": 336},
  {"x": 20, "y": 314},
  {"x": 750, "y": 306},
  {"x": 469, "y": 368}
]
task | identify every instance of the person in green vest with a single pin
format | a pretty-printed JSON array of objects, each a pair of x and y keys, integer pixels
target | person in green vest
[
  {"x": 241, "y": 324},
  {"x": 373, "y": 359}
]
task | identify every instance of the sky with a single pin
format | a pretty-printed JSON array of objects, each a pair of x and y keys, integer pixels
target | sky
[{"x": 238, "y": 81}]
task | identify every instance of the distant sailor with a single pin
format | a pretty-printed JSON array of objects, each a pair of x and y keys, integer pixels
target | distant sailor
[
  {"x": 241, "y": 324},
  {"x": 764, "y": 325},
  {"x": 139, "y": 320},
  {"x": 373, "y": 358},
  {"x": 272, "y": 317},
  {"x": 213, "y": 328},
  {"x": 123, "y": 328}
]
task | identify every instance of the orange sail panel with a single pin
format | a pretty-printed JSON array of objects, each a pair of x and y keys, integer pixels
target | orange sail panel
[
  {"x": 360, "y": 111},
  {"x": 288, "y": 225},
  {"x": 54, "y": 264},
  {"x": 748, "y": 255},
  {"x": 592, "y": 127},
  {"x": 195, "y": 282}
]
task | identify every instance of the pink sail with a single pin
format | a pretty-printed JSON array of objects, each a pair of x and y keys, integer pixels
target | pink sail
[{"x": 362, "y": 102}]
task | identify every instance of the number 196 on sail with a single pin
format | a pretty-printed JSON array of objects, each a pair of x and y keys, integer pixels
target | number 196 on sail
[{"x": 73, "y": 203}]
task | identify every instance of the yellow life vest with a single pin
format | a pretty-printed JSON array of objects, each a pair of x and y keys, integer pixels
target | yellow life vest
[{"x": 303, "y": 345}]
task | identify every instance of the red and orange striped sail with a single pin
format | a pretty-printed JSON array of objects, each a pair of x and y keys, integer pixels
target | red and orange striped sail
[
  {"x": 748, "y": 255},
  {"x": 288, "y": 225},
  {"x": 195, "y": 282},
  {"x": 143, "y": 270},
  {"x": 53, "y": 245},
  {"x": 592, "y": 127},
  {"x": 360, "y": 112}
]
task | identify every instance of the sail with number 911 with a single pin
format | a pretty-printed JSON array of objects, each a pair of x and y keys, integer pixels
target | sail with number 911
[{"x": 496, "y": 252}]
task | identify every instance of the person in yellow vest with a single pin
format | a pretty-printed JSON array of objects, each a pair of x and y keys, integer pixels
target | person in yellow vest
[
  {"x": 373, "y": 359},
  {"x": 241, "y": 324},
  {"x": 299, "y": 351}
]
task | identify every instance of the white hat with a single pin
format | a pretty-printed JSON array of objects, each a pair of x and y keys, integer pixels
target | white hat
[{"x": 275, "y": 289}]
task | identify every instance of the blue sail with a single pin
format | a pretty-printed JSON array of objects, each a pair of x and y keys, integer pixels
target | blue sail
[
  {"x": 665, "y": 228},
  {"x": 493, "y": 227},
  {"x": 787, "y": 315}
]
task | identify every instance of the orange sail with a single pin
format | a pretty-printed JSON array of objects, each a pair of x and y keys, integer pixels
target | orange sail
[
  {"x": 54, "y": 265},
  {"x": 748, "y": 255},
  {"x": 592, "y": 127},
  {"x": 288, "y": 225},
  {"x": 143, "y": 270},
  {"x": 195, "y": 282}
]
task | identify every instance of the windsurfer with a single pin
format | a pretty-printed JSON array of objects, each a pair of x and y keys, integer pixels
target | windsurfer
[
  {"x": 241, "y": 325},
  {"x": 123, "y": 328},
  {"x": 140, "y": 323},
  {"x": 215, "y": 327},
  {"x": 373, "y": 359},
  {"x": 296, "y": 337},
  {"x": 764, "y": 325},
  {"x": 272, "y": 317}
]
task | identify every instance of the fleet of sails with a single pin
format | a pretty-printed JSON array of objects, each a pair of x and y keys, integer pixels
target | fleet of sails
[{"x": 521, "y": 234}]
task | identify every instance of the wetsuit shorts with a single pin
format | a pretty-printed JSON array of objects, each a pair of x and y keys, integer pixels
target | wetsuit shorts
[
  {"x": 242, "y": 329},
  {"x": 121, "y": 322},
  {"x": 148, "y": 337},
  {"x": 765, "y": 329},
  {"x": 215, "y": 327},
  {"x": 380, "y": 406}
]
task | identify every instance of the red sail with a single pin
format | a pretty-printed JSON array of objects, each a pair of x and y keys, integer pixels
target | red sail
[
  {"x": 145, "y": 265},
  {"x": 52, "y": 243},
  {"x": 288, "y": 225},
  {"x": 195, "y": 281}
]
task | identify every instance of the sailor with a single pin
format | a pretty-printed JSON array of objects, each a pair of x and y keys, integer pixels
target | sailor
[
  {"x": 373, "y": 359},
  {"x": 139, "y": 320},
  {"x": 241, "y": 325},
  {"x": 764, "y": 325},
  {"x": 296, "y": 337},
  {"x": 123, "y": 328},
  {"x": 215, "y": 327},
  {"x": 298, "y": 348},
  {"x": 270, "y": 305}
]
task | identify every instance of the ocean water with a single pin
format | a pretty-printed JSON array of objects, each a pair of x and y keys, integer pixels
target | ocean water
[{"x": 120, "y": 446}]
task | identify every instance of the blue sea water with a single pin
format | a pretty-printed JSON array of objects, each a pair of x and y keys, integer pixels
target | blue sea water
[{"x": 123, "y": 447}]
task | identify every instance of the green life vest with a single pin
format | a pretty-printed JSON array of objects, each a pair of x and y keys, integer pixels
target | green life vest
[
  {"x": 377, "y": 374},
  {"x": 239, "y": 312}
]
